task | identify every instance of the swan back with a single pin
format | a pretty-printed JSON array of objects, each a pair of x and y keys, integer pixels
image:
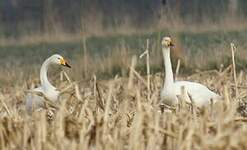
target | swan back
[{"x": 198, "y": 93}]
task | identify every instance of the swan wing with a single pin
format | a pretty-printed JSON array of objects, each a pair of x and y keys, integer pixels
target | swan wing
[
  {"x": 34, "y": 99},
  {"x": 199, "y": 93}
]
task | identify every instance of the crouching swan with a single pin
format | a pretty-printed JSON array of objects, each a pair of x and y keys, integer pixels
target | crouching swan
[{"x": 36, "y": 97}]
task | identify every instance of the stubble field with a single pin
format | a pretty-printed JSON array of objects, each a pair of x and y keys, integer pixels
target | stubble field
[{"x": 106, "y": 103}]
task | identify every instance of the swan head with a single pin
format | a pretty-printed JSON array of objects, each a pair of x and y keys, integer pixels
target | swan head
[
  {"x": 167, "y": 42},
  {"x": 59, "y": 60}
]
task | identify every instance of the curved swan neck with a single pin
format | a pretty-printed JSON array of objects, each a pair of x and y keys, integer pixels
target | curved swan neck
[
  {"x": 168, "y": 67},
  {"x": 43, "y": 74}
]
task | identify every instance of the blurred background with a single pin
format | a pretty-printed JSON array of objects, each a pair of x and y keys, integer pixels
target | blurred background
[
  {"x": 100, "y": 37},
  {"x": 97, "y": 17}
]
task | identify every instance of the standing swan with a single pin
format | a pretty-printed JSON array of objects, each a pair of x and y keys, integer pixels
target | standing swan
[
  {"x": 199, "y": 94},
  {"x": 33, "y": 100}
]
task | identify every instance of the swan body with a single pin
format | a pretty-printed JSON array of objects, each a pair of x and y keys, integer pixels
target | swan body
[
  {"x": 198, "y": 93},
  {"x": 36, "y": 97}
]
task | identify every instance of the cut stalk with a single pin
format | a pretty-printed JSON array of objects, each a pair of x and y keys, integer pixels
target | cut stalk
[
  {"x": 177, "y": 69},
  {"x": 146, "y": 52},
  {"x": 233, "y": 49}
]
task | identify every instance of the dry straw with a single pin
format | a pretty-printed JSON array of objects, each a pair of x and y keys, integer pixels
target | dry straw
[
  {"x": 233, "y": 50},
  {"x": 116, "y": 114},
  {"x": 177, "y": 69}
]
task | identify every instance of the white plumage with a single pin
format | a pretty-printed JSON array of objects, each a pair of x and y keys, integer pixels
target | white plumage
[
  {"x": 198, "y": 93},
  {"x": 35, "y": 97}
]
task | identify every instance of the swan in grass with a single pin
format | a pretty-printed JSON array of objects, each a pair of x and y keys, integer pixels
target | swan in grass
[
  {"x": 199, "y": 94},
  {"x": 36, "y": 97}
]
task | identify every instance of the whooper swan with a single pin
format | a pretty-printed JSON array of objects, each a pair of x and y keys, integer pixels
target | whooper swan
[
  {"x": 34, "y": 100},
  {"x": 199, "y": 94}
]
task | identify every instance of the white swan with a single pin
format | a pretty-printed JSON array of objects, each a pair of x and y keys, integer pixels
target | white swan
[
  {"x": 199, "y": 94},
  {"x": 34, "y": 99}
]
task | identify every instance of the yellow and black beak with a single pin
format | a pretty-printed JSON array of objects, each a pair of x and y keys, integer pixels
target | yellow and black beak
[{"x": 64, "y": 63}]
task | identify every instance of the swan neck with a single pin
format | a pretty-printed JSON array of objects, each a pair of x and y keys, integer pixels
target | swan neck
[
  {"x": 43, "y": 74},
  {"x": 168, "y": 67}
]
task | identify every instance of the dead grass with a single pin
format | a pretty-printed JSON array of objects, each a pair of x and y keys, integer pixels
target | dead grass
[
  {"x": 123, "y": 112},
  {"x": 97, "y": 114}
]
